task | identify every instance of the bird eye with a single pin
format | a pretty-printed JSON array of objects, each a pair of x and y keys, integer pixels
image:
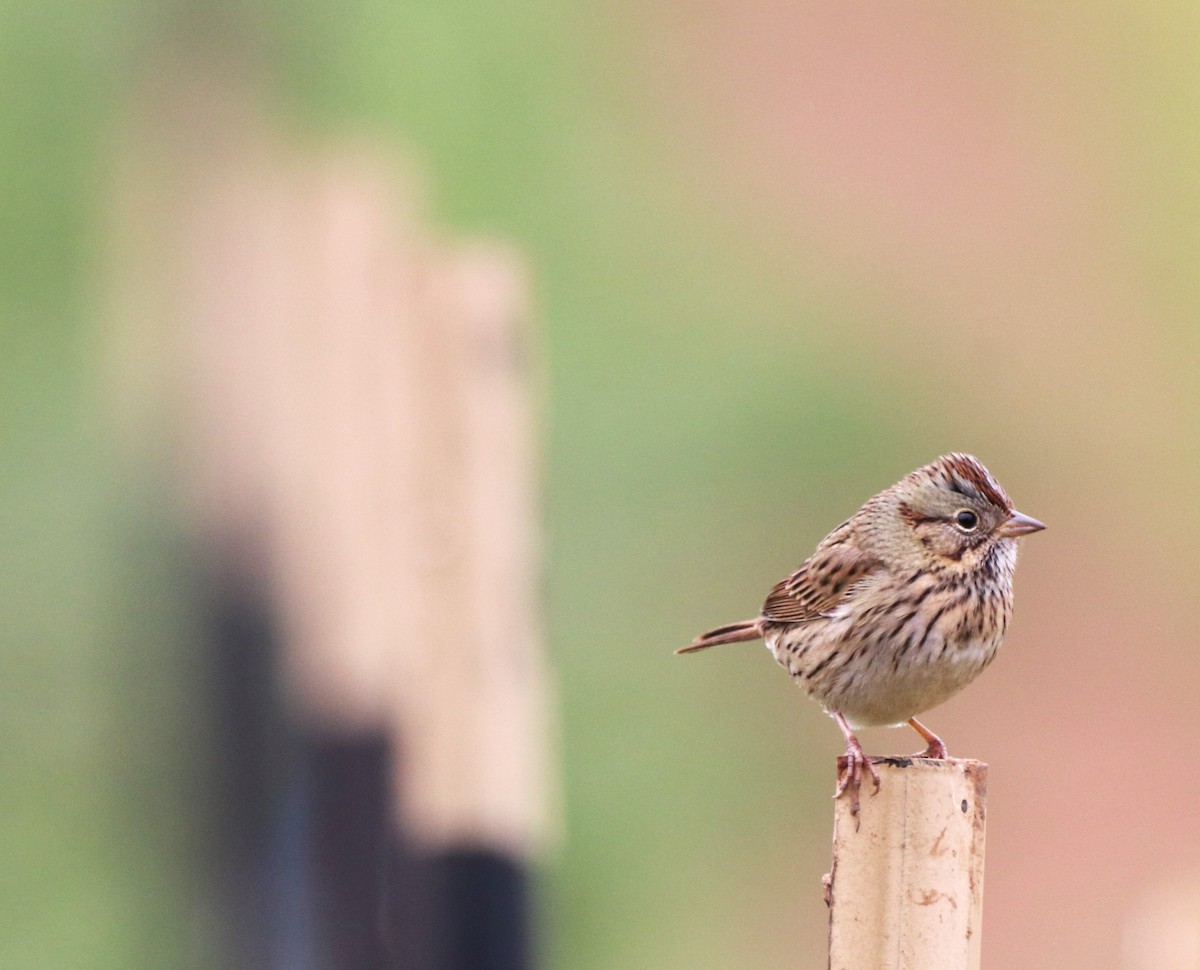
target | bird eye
[{"x": 967, "y": 520}]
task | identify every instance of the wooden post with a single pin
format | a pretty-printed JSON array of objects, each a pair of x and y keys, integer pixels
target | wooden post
[
  {"x": 906, "y": 888},
  {"x": 358, "y": 446}
]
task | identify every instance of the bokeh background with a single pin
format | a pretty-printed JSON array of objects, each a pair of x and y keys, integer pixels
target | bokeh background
[{"x": 784, "y": 253}]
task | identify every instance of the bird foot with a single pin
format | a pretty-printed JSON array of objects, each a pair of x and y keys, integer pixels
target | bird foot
[
  {"x": 850, "y": 773},
  {"x": 936, "y": 750}
]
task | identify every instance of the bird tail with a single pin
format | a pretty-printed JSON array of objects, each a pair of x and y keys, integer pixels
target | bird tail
[{"x": 732, "y": 633}]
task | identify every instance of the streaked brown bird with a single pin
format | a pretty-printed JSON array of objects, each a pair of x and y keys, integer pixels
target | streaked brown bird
[{"x": 899, "y": 608}]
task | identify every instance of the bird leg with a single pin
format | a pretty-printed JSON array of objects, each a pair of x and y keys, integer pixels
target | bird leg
[
  {"x": 936, "y": 748},
  {"x": 850, "y": 767}
]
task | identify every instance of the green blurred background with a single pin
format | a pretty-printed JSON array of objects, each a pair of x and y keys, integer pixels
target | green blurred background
[{"x": 784, "y": 254}]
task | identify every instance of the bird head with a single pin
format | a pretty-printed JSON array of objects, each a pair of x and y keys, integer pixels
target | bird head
[{"x": 950, "y": 514}]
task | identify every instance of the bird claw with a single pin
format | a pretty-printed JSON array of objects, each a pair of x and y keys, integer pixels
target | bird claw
[
  {"x": 936, "y": 750},
  {"x": 850, "y": 772}
]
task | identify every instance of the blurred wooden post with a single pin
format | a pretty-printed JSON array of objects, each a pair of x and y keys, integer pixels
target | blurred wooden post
[
  {"x": 357, "y": 445},
  {"x": 906, "y": 888}
]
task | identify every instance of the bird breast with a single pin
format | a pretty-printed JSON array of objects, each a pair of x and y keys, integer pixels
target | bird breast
[{"x": 899, "y": 645}]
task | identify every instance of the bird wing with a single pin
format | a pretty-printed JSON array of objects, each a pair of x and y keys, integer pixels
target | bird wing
[{"x": 823, "y": 581}]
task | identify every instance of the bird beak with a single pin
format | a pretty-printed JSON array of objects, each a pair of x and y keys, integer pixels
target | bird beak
[{"x": 1019, "y": 525}]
